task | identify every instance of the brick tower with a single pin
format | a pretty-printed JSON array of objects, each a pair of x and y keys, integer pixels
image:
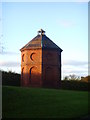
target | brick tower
[{"x": 41, "y": 62}]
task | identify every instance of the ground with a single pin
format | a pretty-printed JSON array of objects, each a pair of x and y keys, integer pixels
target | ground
[{"x": 43, "y": 103}]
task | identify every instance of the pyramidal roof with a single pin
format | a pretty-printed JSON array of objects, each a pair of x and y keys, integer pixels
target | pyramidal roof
[{"x": 41, "y": 41}]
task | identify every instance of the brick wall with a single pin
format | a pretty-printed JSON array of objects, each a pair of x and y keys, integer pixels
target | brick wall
[
  {"x": 40, "y": 68},
  {"x": 51, "y": 68},
  {"x": 32, "y": 67}
]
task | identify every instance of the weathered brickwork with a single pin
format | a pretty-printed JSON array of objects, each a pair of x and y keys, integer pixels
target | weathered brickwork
[
  {"x": 51, "y": 68},
  {"x": 41, "y": 63},
  {"x": 32, "y": 66}
]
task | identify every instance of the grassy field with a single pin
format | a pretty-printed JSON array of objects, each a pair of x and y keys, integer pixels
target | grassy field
[{"x": 43, "y": 103}]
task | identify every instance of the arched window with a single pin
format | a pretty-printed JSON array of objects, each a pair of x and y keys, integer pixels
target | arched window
[
  {"x": 32, "y": 56},
  {"x": 49, "y": 56},
  {"x": 49, "y": 76},
  {"x": 30, "y": 74},
  {"x": 23, "y": 58},
  {"x": 22, "y": 72},
  {"x": 33, "y": 73}
]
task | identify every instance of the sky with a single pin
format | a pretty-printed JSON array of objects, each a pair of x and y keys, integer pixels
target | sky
[{"x": 65, "y": 23}]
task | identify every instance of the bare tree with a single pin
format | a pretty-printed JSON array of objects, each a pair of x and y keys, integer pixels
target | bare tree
[{"x": 72, "y": 77}]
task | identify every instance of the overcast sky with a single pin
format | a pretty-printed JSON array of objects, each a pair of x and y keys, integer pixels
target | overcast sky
[{"x": 65, "y": 23}]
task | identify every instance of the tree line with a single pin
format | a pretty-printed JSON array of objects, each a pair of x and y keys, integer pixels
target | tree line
[
  {"x": 10, "y": 78},
  {"x": 71, "y": 82}
]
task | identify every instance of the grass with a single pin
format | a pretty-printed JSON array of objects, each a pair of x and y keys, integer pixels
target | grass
[{"x": 21, "y": 102}]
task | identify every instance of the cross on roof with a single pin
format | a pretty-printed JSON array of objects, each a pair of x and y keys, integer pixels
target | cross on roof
[{"x": 41, "y": 31}]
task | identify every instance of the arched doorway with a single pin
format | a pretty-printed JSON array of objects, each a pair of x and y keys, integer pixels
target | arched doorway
[
  {"x": 22, "y": 76},
  {"x": 34, "y": 76},
  {"x": 49, "y": 77}
]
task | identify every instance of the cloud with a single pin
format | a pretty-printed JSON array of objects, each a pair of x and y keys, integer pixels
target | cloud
[
  {"x": 81, "y": 0},
  {"x": 9, "y": 53},
  {"x": 45, "y": 0},
  {"x": 66, "y": 23},
  {"x": 9, "y": 64},
  {"x": 75, "y": 63},
  {"x": 79, "y": 68},
  {"x": 77, "y": 71}
]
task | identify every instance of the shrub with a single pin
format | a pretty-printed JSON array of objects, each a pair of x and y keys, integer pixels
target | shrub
[
  {"x": 10, "y": 78},
  {"x": 74, "y": 85}
]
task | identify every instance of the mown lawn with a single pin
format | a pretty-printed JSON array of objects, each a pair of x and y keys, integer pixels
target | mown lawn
[{"x": 18, "y": 102}]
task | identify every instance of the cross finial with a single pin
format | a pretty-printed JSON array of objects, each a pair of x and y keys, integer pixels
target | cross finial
[{"x": 41, "y": 31}]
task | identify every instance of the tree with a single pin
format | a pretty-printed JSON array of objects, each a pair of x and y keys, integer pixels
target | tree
[
  {"x": 72, "y": 77},
  {"x": 66, "y": 78}
]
